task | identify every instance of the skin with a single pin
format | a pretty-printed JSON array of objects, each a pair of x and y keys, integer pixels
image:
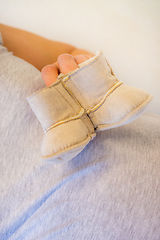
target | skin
[
  {"x": 64, "y": 64},
  {"x": 49, "y": 57}
]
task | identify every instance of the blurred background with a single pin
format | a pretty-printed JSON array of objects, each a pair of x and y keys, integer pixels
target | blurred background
[{"x": 127, "y": 31}]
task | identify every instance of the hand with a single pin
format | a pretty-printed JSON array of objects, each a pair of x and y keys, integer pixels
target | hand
[{"x": 65, "y": 63}]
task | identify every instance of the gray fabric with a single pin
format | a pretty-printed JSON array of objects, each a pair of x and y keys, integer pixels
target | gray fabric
[{"x": 109, "y": 191}]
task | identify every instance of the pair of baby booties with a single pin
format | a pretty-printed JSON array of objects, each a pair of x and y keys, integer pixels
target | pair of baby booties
[{"x": 80, "y": 103}]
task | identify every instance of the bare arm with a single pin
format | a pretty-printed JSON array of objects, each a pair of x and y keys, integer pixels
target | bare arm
[{"x": 35, "y": 49}]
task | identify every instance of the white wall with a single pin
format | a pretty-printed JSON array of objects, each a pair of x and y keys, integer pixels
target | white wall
[{"x": 127, "y": 31}]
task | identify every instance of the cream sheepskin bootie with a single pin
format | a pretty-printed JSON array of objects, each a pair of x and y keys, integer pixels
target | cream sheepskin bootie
[
  {"x": 87, "y": 99},
  {"x": 67, "y": 127},
  {"x": 108, "y": 102}
]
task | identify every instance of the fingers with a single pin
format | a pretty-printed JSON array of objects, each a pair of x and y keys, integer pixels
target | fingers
[
  {"x": 80, "y": 58},
  {"x": 50, "y": 73},
  {"x": 66, "y": 63}
]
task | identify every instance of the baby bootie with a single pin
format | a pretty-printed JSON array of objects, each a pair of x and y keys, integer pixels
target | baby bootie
[
  {"x": 108, "y": 102},
  {"x": 67, "y": 127}
]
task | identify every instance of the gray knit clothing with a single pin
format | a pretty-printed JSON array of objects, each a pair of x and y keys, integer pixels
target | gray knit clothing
[{"x": 110, "y": 191}]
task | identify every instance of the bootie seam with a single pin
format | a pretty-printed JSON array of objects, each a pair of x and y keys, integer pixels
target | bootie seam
[
  {"x": 127, "y": 116},
  {"x": 72, "y": 95},
  {"x": 71, "y": 92},
  {"x": 72, "y": 149},
  {"x": 75, "y": 117},
  {"x": 86, "y": 119},
  {"x": 114, "y": 87},
  {"x": 66, "y": 98}
]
